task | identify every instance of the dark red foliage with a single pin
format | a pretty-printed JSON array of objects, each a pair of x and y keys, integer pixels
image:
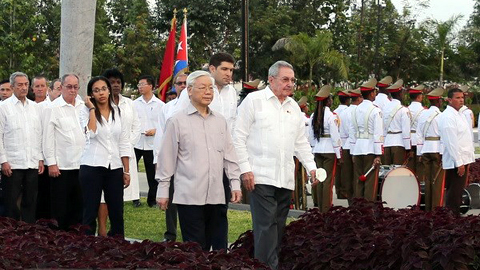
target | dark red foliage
[
  {"x": 39, "y": 246},
  {"x": 369, "y": 236},
  {"x": 474, "y": 172}
]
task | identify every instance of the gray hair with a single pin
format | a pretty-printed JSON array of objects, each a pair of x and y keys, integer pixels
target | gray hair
[
  {"x": 197, "y": 74},
  {"x": 273, "y": 70},
  {"x": 64, "y": 77},
  {"x": 52, "y": 84},
  {"x": 15, "y": 75}
]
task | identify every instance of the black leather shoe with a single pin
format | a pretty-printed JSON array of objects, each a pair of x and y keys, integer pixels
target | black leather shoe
[{"x": 137, "y": 203}]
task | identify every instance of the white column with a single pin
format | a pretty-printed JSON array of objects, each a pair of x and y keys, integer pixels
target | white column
[{"x": 76, "y": 40}]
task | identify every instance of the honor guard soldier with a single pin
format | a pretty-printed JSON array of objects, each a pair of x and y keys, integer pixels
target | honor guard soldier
[
  {"x": 383, "y": 97},
  {"x": 344, "y": 98},
  {"x": 325, "y": 138},
  {"x": 429, "y": 150},
  {"x": 416, "y": 109},
  {"x": 366, "y": 133},
  {"x": 303, "y": 104},
  {"x": 396, "y": 121},
  {"x": 467, "y": 111},
  {"x": 346, "y": 173}
]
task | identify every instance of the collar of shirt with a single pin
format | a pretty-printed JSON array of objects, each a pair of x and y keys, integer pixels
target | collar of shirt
[
  {"x": 61, "y": 102},
  {"x": 14, "y": 100},
  {"x": 395, "y": 102},
  {"x": 269, "y": 94},
  {"x": 191, "y": 110},
  {"x": 153, "y": 99}
]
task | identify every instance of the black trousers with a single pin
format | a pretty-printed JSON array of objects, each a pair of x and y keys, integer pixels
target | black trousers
[
  {"x": 93, "y": 181},
  {"x": 21, "y": 194},
  {"x": 66, "y": 199},
  {"x": 269, "y": 206},
  {"x": 171, "y": 216},
  {"x": 43, "y": 198},
  {"x": 150, "y": 170},
  {"x": 204, "y": 224},
  {"x": 455, "y": 185}
]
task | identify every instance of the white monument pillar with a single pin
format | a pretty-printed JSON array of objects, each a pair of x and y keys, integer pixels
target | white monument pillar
[{"x": 76, "y": 40}]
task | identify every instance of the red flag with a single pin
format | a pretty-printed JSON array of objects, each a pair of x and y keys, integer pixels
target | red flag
[
  {"x": 166, "y": 72},
  {"x": 181, "y": 65}
]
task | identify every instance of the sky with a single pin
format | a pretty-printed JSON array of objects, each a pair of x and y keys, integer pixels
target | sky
[{"x": 441, "y": 9}]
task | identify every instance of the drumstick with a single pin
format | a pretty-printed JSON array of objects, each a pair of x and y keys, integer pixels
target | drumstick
[
  {"x": 363, "y": 178},
  {"x": 438, "y": 172}
]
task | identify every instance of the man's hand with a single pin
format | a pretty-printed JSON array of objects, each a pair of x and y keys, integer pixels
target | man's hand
[
  {"x": 162, "y": 203},
  {"x": 248, "y": 181},
  {"x": 377, "y": 161},
  {"x": 461, "y": 170},
  {"x": 53, "y": 171},
  {"x": 313, "y": 178},
  {"x": 150, "y": 132},
  {"x": 40, "y": 167},
  {"x": 6, "y": 169},
  {"x": 126, "y": 180},
  {"x": 340, "y": 161},
  {"x": 236, "y": 196}
]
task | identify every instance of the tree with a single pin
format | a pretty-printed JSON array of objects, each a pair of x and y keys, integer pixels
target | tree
[{"x": 313, "y": 51}]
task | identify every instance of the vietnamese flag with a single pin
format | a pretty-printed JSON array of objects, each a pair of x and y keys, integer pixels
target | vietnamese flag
[{"x": 166, "y": 73}]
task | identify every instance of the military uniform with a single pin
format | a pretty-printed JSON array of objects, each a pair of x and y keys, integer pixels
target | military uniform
[
  {"x": 416, "y": 109},
  {"x": 339, "y": 186},
  {"x": 366, "y": 134}
]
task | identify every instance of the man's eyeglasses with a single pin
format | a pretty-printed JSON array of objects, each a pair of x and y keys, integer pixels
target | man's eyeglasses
[
  {"x": 70, "y": 87},
  {"x": 181, "y": 83},
  {"x": 98, "y": 90},
  {"x": 287, "y": 80},
  {"x": 141, "y": 84}
]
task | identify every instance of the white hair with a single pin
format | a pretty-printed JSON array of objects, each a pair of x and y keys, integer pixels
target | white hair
[
  {"x": 273, "y": 70},
  {"x": 197, "y": 74}
]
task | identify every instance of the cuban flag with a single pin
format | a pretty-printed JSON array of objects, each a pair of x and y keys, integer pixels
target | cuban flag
[{"x": 181, "y": 63}]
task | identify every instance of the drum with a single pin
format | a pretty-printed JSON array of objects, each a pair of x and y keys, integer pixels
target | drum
[
  {"x": 474, "y": 191},
  {"x": 466, "y": 199},
  {"x": 399, "y": 188}
]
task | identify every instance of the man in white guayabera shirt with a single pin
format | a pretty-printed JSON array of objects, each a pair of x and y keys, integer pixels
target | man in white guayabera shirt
[
  {"x": 268, "y": 132},
  {"x": 63, "y": 144}
]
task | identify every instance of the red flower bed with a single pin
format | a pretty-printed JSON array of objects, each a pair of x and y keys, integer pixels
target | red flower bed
[
  {"x": 39, "y": 246},
  {"x": 474, "y": 172},
  {"x": 369, "y": 236}
]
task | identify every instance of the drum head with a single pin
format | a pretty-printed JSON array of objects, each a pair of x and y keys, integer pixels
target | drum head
[{"x": 400, "y": 189}]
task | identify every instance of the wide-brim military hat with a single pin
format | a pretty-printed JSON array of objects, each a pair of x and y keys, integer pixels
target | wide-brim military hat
[
  {"x": 302, "y": 102},
  {"x": 368, "y": 85},
  {"x": 417, "y": 89},
  {"x": 386, "y": 81},
  {"x": 323, "y": 93},
  {"x": 355, "y": 93},
  {"x": 343, "y": 93},
  {"x": 396, "y": 87},
  {"x": 465, "y": 88},
  {"x": 252, "y": 84},
  {"x": 436, "y": 93}
]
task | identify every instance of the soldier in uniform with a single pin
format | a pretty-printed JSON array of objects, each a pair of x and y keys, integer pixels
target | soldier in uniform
[
  {"x": 344, "y": 98},
  {"x": 325, "y": 138},
  {"x": 416, "y": 109},
  {"x": 383, "y": 97},
  {"x": 366, "y": 134},
  {"x": 429, "y": 151},
  {"x": 346, "y": 173},
  {"x": 396, "y": 121},
  {"x": 467, "y": 111}
]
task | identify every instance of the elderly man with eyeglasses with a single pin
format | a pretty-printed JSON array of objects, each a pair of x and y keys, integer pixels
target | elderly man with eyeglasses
[
  {"x": 268, "y": 132},
  {"x": 63, "y": 144},
  {"x": 148, "y": 107}
]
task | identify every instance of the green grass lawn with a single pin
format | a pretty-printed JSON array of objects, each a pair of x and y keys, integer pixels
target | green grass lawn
[
  {"x": 149, "y": 223},
  {"x": 477, "y": 150}
]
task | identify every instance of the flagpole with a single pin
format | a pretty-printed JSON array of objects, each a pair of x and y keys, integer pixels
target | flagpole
[
  {"x": 166, "y": 71},
  {"x": 245, "y": 39}
]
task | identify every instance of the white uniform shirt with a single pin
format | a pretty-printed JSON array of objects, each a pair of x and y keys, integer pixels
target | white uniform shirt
[
  {"x": 340, "y": 109},
  {"x": 428, "y": 127},
  {"x": 306, "y": 119},
  {"x": 225, "y": 102},
  {"x": 109, "y": 142},
  {"x": 345, "y": 121},
  {"x": 396, "y": 119},
  {"x": 458, "y": 144},
  {"x": 267, "y": 135},
  {"x": 366, "y": 130},
  {"x": 469, "y": 117},
  {"x": 416, "y": 109},
  {"x": 64, "y": 138},
  {"x": 327, "y": 145},
  {"x": 148, "y": 115},
  {"x": 20, "y": 133},
  {"x": 381, "y": 100}
]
